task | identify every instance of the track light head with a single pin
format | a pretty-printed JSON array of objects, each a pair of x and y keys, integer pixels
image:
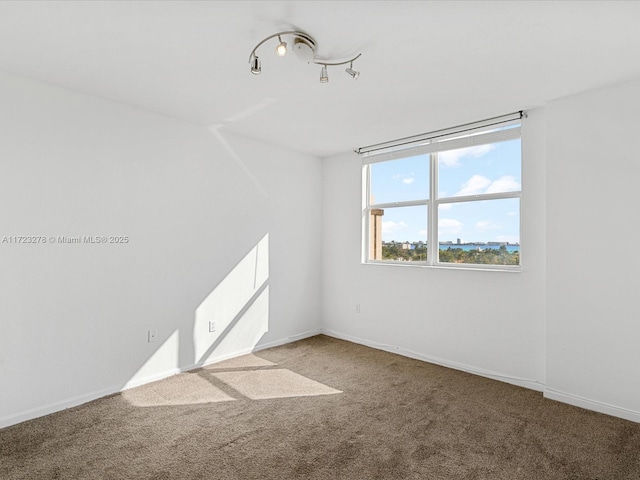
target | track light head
[
  {"x": 256, "y": 67},
  {"x": 324, "y": 76},
  {"x": 281, "y": 49},
  {"x": 352, "y": 72}
]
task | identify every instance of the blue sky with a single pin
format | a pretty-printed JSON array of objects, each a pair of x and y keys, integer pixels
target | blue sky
[{"x": 476, "y": 170}]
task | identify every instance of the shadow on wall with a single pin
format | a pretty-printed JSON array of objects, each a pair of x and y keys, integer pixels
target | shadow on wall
[{"x": 231, "y": 320}]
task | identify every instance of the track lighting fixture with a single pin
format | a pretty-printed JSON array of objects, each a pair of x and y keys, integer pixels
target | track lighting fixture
[
  {"x": 281, "y": 49},
  {"x": 352, "y": 72},
  {"x": 305, "y": 47},
  {"x": 256, "y": 67},
  {"x": 324, "y": 77}
]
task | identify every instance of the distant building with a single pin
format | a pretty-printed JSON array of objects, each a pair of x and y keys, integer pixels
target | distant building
[{"x": 375, "y": 234}]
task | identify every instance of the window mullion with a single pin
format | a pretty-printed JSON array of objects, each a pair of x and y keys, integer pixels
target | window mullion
[
  {"x": 408, "y": 203},
  {"x": 367, "y": 213},
  {"x": 480, "y": 197},
  {"x": 432, "y": 226}
]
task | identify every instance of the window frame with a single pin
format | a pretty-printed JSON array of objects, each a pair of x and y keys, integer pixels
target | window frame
[{"x": 480, "y": 135}]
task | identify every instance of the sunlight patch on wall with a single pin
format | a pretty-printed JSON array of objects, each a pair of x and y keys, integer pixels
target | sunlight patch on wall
[
  {"x": 238, "y": 308},
  {"x": 164, "y": 359}
]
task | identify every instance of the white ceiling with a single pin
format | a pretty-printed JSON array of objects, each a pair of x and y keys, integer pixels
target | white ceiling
[{"x": 425, "y": 65}]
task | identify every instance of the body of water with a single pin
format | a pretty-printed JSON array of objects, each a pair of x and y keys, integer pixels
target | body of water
[{"x": 475, "y": 246}]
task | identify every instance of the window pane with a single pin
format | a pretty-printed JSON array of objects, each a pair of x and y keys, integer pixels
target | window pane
[
  {"x": 490, "y": 168},
  {"x": 398, "y": 234},
  {"x": 484, "y": 232},
  {"x": 400, "y": 180}
]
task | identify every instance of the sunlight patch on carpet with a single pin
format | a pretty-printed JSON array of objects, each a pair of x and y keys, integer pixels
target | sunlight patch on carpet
[
  {"x": 185, "y": 389},
  {"x": 245, "y": 361},
  {"x": 273, "y": 383}
]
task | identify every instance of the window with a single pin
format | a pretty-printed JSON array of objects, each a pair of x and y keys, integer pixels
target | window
[{"x": 457, "y": 189}]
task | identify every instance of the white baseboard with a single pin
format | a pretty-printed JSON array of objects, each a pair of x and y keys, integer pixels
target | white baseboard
[
  {"x": 175, "y": 371},
  {"x": 293, "y": 338},
  {"x": 531, "y": 384},
  {"x": 54, "y": 407},
  {"x": 587, "y": 404},
  {"x": 520, "y": 382},
  {"x": 30, "y": 414}
]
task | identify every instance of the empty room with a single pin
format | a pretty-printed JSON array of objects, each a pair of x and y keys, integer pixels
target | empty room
[{"x": 319, "y": 240}]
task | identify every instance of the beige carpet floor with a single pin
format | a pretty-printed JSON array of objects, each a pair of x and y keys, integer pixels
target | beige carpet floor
[{"x": 322, "y": 408}]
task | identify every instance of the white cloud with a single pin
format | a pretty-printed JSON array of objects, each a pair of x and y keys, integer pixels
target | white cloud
[
  {"x": 485, "y": 225},
  {"x": 449, "y": 226},
  {"x": 451, "y": 158},
  {"x": 478, "y": 184},
  {"x": 406, "y": 179},
  {"x": 512, "y": 214},
  {"x": 423, "y": 232},
  {"x": 445, "y": 206},
  {"x": 392, "y": 227},
  {"x": 504, "y": 184},
  {"x": 475, "y": 185}
]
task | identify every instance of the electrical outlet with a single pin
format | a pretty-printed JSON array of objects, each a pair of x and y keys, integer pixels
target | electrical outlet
[
  {"x": 212, "y": 326},
  {"x": 152, "y": 336},
  {"x": 358, "y": 308}
]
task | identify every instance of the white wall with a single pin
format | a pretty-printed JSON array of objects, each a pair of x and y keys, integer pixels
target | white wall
[
  {"x": 593, "y": 329},
  {"x": 486, "y": 322},
  {"x": 220, "y": 228},
  {"x": 228, "y": 229},
  {"x": 568, "y": 324}
]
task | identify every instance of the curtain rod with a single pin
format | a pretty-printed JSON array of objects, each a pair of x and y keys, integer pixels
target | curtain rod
[{"x": 465, "y": 127}]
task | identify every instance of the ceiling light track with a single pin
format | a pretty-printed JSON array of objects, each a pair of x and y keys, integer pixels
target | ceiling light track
[{"x": 305, "y": 47}]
